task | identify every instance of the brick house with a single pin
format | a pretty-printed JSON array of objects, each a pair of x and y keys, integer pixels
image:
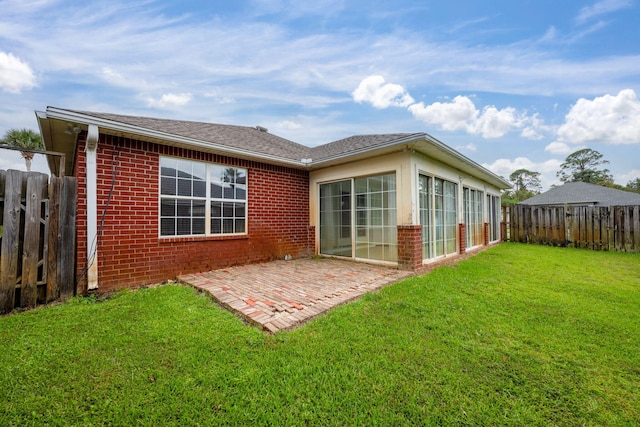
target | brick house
[{"x": 158, "y": 197}]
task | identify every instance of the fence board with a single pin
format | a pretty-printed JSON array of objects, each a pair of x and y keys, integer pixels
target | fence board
[
  {"x": 636, "y": 228},
  {"x": 10, "y": 240},
  {"x": 53, "y": 238},
  {"x": 67, "y": 242},
  {"x": 36, "y": 184},
  {"x": 614, "y": 228}
]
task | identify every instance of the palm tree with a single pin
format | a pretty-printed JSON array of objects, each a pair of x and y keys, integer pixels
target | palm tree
[{"x": 24, "y": 138}]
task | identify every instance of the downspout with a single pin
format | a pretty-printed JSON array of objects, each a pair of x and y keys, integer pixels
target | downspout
[{"x": 92, "y": 207}]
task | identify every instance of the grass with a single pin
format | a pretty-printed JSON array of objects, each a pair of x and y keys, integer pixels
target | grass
[{"x": 516, "y": 335}]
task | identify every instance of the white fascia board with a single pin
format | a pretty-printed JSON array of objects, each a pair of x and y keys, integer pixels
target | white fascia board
[
  {"x": 71, "y": 116},
  {"x": 468, "y": 161},
  {"x": 390, "y": 144}
]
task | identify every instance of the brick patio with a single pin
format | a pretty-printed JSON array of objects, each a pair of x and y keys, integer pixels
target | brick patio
[{"x": 281, "y": 295}]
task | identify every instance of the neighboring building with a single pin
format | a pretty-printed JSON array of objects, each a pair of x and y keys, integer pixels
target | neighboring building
[
  {"x": 582, "y": 193},
  {"x": 158, "y": 198}
]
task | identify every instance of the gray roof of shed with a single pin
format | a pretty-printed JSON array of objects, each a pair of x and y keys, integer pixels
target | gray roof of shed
[{"x": 582, "y": 193}]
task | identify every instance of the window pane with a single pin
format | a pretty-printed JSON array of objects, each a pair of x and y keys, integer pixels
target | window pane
[
  {"x": 240, "y": 223},
  {"x": 227, "y": 191},
  {"x": 184, "y": 187},
  {"x": 198, "y": 226},
  {"x": 184, "y": 168},
  {"x": 216, "y": 190},
  {"x": 168, "y": 186},
  {"x": 227, "y": 210},
  {"x": 240, "y": 210},
  {"x": 227, "y": 226},
  {"x": 241, "y": 192},
  {"x": 216, "y": 225},
  {"x": 216, "y": 209},
  {"x": 199, "y": 189},
  {"x": 168, "y": 207},
  {"x": 184, "y": 226},
  {"x": 184, "y": 208},
  {"x": 168, "y": 166},
  {"x": 167, "y": 227},
  {"x": 198, "y": 209}
]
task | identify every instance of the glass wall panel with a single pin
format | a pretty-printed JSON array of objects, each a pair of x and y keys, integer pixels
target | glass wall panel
[
  {"x": 493, "y": 206},
  {"x": 425, "y": 194},
  {"x": 335, "y": 218},
  {"x": 439, "y": 213},
  {"x": 376, "y": 218},
  {"x": 473, "y": 208},
  {"x": 451, "y": 216}
]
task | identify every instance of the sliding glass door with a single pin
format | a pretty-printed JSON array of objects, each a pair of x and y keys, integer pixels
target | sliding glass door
[
  {"x": 360, "y": 209},
  {"x": 335, "y": 218},
  {"x": 438, "y": 216}
]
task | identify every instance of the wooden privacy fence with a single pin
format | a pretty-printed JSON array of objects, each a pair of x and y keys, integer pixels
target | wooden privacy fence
[
  {"x": 38, "y": 246},
  {"x": 607, "y": 228}
]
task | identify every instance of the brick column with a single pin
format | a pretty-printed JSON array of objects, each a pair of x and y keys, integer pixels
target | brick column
[
  {"x": 462, "y": 232},
  {"x": 409, "y": 247},
  {"x": 485, "y": 233}
]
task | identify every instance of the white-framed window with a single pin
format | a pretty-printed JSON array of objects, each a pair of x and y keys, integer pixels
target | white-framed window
[{"x": 201, "y": 199}]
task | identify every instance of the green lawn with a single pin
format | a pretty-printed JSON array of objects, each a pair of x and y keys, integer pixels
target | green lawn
[{"x": 516, "y": 335}]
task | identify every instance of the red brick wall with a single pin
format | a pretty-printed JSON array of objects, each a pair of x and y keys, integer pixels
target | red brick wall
[
  {"x": 485, "y": 233},
  {"x": 409, "y": 247},
  {"x": 462, "y": 231},
  {"x": 130, "y": 251}
]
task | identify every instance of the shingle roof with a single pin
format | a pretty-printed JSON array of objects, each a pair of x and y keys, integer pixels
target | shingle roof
[
  {"x": 247, "y": 142},
  {"x": 584, "y": 193},
  {"x": 232, "y": 136},
  {"x": 355, "y": 143},
  {"x": 250, "y": 138}
]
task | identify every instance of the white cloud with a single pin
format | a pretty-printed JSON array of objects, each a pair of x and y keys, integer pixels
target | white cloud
[
  {"x": 469, "y": 147},
  {"x": 462, "y": 114},
  {"x": 600, "y": 8},
  {"x": 557, "y": 147},
  {"x": 626, "y": 177},
  {"x": 169, "y": 100},
  {"x": 373, "y": 90},
  {"x": 288, "y": 124},
  {"x": 612, "y": 119},
  {"x": 15, "y": 74},
  {"x": 450, "y": 116}
]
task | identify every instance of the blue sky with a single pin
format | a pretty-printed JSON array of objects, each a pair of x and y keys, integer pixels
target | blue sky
[{"x": 509, "y": 84}]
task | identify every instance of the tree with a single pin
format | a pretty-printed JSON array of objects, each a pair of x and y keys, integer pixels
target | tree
[
  {"x": 24, "y": 138},
  {"x": 633, "y": 185},
  {"x": 526, "y": 184},
  {"x": 582, "y": 166}
]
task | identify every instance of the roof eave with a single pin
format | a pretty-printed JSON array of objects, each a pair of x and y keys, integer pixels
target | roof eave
[
  {"x": 409, "y": 142},
  {"x": 160, "y": 136}
]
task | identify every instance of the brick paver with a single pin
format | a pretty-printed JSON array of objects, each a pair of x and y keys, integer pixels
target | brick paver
[{"x": 280, "y": 295}]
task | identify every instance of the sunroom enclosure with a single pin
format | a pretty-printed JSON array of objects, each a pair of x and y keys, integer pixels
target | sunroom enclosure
[{"x": 420, "y": 212}]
